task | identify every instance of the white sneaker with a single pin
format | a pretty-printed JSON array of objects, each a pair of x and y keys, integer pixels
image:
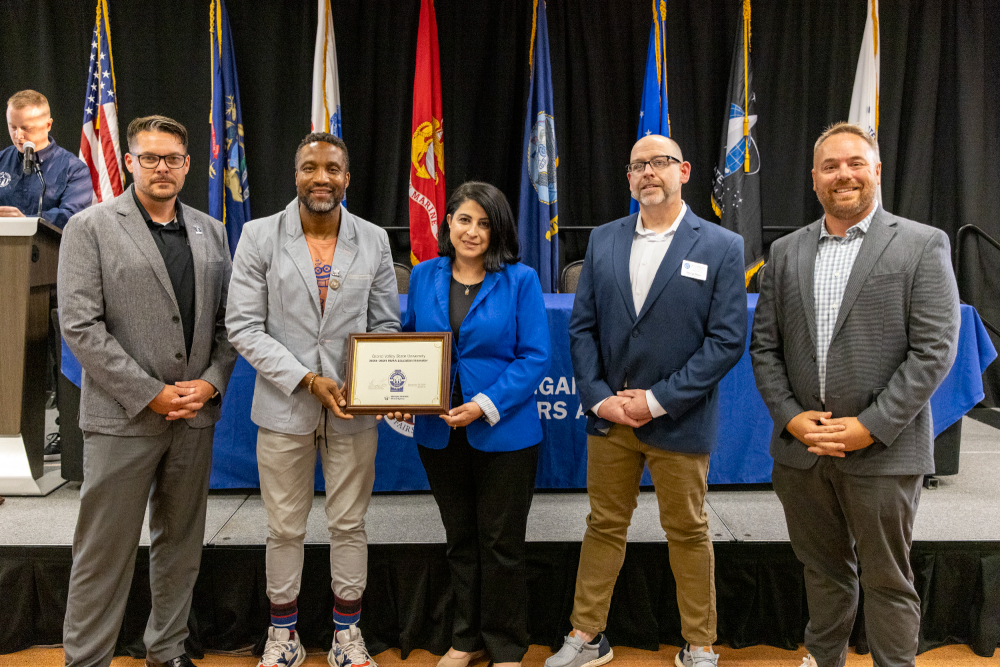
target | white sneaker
[
  {"x": 280, "y": 650},
  {"x": 808, "y": 661},
  {"x": 349, "y": 650}
]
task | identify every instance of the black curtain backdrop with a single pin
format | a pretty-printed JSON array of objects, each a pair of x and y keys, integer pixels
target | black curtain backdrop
[
  {"x": 408, "y": 605},
  {"x": 940, "y": 98}
]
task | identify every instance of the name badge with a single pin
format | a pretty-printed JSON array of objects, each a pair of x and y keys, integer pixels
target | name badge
[{"x": 694, "y": 270}]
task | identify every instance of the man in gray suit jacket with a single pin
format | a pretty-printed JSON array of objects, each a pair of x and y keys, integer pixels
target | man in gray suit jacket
[
  {"x": 856, "y": 326},
  {"x": 142, "y": 303},
  {"x": 303, "y": 281}
]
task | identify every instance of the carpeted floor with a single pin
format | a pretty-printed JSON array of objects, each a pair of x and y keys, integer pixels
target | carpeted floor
[{"x": 757, "y": 656}]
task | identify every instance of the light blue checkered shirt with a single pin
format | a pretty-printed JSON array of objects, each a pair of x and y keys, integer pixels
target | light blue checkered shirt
[{"x": 834, "y": 261}]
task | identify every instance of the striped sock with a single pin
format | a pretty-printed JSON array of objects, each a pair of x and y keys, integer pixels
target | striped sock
[
  {"x": 284, "y": 616},
  {"x": 346, "y": 612}
]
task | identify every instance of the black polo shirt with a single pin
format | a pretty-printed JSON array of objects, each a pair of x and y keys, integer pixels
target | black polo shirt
[{"x": 172, "y": 241}]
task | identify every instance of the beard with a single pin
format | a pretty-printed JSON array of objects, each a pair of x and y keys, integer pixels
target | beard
[
  {"x": 651, "y": 197},
  {"x": 147, "y": 189},
  {"x": 314, "y": 206},
  {"x": 847, "y": 210}
]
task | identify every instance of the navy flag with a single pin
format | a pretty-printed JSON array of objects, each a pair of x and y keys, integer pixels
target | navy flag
[
  {"x": 228, "y": 189},
  {"x": 537, "y": 215},
  {"x": 736, "y": 190}
]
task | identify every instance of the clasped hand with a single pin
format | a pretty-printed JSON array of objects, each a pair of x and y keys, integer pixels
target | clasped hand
[
  {"x": 182, "y": 400},
  {"x": 629, "y": 407},
  {"x": 826, "y": 436}
]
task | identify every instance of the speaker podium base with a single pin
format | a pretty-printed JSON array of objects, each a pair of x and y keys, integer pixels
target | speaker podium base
[{"x": 15, "y": 473}]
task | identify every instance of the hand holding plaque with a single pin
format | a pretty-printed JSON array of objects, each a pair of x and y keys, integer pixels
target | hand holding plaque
[{"x": 398, "y": 372}]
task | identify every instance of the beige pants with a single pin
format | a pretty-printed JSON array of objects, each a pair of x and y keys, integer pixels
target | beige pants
[
  {"x": 614, "y": 468},
  {"x": 287, "y": 465}
]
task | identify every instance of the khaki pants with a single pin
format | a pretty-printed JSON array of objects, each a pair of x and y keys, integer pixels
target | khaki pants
[
  {"x": 614, "y": 468},
  {"x": 287, "y": 465}
]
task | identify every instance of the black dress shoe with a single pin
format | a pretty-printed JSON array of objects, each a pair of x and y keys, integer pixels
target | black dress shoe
[{"x": 180, "y": 661}]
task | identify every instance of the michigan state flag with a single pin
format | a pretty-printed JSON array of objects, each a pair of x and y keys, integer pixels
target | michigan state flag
[
  {"x": 736, "y": 190},
  {"x": 654, "y": 117},
  {"x": 228, "y": 189},
  {"x": 537, "y": 215}
]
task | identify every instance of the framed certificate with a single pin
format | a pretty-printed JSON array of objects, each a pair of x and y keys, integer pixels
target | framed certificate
[{"x": 404, "y": 372}]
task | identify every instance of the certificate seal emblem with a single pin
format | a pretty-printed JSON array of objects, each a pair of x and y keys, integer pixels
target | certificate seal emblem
[{"x": 397, "y": 381}]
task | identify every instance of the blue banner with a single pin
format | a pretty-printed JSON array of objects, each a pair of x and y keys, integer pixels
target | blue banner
[
  {"x": 537, "y": 214},
  {"x": 228, "y": 188},
  {"x": 653, "y": 115}
]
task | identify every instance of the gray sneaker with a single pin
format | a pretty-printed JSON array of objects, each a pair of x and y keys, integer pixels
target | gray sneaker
[
  {"x": 575, "y": 653},
  {"x": 697, "y": 658}
]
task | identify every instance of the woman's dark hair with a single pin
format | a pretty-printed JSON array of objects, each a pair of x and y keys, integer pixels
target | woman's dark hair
[{"x": 503, "y": 247}]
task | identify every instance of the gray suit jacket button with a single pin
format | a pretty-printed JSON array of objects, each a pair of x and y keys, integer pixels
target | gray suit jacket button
[
  {"x": 175, "y": 318},
  {"x": 178, "y": 356}
]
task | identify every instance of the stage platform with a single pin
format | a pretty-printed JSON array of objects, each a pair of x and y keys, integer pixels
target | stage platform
[{"x": 956, "y": 558}]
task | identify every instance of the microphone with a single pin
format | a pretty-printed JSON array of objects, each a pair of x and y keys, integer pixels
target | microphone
[{"x": 30, "y": 159}]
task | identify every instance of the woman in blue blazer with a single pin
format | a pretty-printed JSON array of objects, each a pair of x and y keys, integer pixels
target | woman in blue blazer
[{"x": 481, "y": 457}]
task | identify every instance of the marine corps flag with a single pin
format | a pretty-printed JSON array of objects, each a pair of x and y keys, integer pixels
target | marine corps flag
[
  {"x": 537, "y": 215},
  {"x": 654, "y": 116},
  {"x": 427, "y": 194},
  {"x": 736, "y": 190},
  {"x": 228, "y": 189}
]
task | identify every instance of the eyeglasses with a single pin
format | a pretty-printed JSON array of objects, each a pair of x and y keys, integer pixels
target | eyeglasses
[
  {"x": 151, "y": 161},
  {"x": 658, "y": 163}
]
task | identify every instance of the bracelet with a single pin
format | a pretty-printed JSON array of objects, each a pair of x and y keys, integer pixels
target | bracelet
[{"x": 309, "y": 387}]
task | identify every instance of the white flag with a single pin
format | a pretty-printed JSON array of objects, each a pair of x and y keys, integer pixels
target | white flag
[
  {"x": 864, "y": 99},
  {"x": 326, "y": 85}
]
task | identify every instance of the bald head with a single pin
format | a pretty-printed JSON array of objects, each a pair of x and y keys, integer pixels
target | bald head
[{"x": 658, "y": 142}]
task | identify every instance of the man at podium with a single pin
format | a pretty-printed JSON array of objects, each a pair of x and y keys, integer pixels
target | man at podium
[{"x": 67, "y": 179}]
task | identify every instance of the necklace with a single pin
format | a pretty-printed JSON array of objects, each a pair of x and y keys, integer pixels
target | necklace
[{"x": 467, "y": 287}]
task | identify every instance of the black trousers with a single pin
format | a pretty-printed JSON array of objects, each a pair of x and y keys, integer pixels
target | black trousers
[{"x": 484, "y": 498}]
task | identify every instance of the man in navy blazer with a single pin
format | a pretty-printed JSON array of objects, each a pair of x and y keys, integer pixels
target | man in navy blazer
[{"x": 660, "y": 317}]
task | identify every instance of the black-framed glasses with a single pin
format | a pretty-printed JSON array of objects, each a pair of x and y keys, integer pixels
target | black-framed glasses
[
  {"x": 658, "y": 163},
  {"x": 152, "y": 161}
]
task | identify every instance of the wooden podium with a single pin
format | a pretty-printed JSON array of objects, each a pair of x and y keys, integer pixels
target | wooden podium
[{"x": 29, "y": 256}]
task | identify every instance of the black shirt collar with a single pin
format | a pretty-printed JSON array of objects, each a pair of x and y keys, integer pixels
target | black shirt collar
[{"x": 176, "y": 224}]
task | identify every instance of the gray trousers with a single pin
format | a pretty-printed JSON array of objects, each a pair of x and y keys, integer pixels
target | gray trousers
[
  {"x": 836, "y": 520},
  {"x": 121, "y": 474},
  {"x": 287, "y": 466}
]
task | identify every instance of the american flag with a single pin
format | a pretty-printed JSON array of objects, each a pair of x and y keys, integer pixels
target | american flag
[{"x": 99, "y": 146}]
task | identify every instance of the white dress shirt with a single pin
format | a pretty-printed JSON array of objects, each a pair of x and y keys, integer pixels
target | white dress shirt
[{"x": 648, "y": 250}]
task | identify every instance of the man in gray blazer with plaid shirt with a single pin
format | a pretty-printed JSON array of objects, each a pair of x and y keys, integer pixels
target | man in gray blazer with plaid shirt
[{"x": 856, "y": 326}]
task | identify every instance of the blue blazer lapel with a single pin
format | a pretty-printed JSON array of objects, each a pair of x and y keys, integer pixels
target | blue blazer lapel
[
  {"x": 621, "y": 253},
  {"x": 876, "y": 239},
  {"x": 442, "y": 292},
  {"x": 685, "y": 237},
  {"x": 489, "y": 282},
  {"x": 807, "y": 248},
  {"x": 298, "y": 250}
]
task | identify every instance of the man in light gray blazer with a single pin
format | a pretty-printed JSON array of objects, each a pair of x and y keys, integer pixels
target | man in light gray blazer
[
  {"x": 142, "y": 302},
  {"x": 856, "y": 326},
  {"x": 303, "y": 281}
]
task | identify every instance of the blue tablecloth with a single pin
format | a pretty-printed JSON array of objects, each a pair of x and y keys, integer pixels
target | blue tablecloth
[{"x": 740, "y": 458}]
